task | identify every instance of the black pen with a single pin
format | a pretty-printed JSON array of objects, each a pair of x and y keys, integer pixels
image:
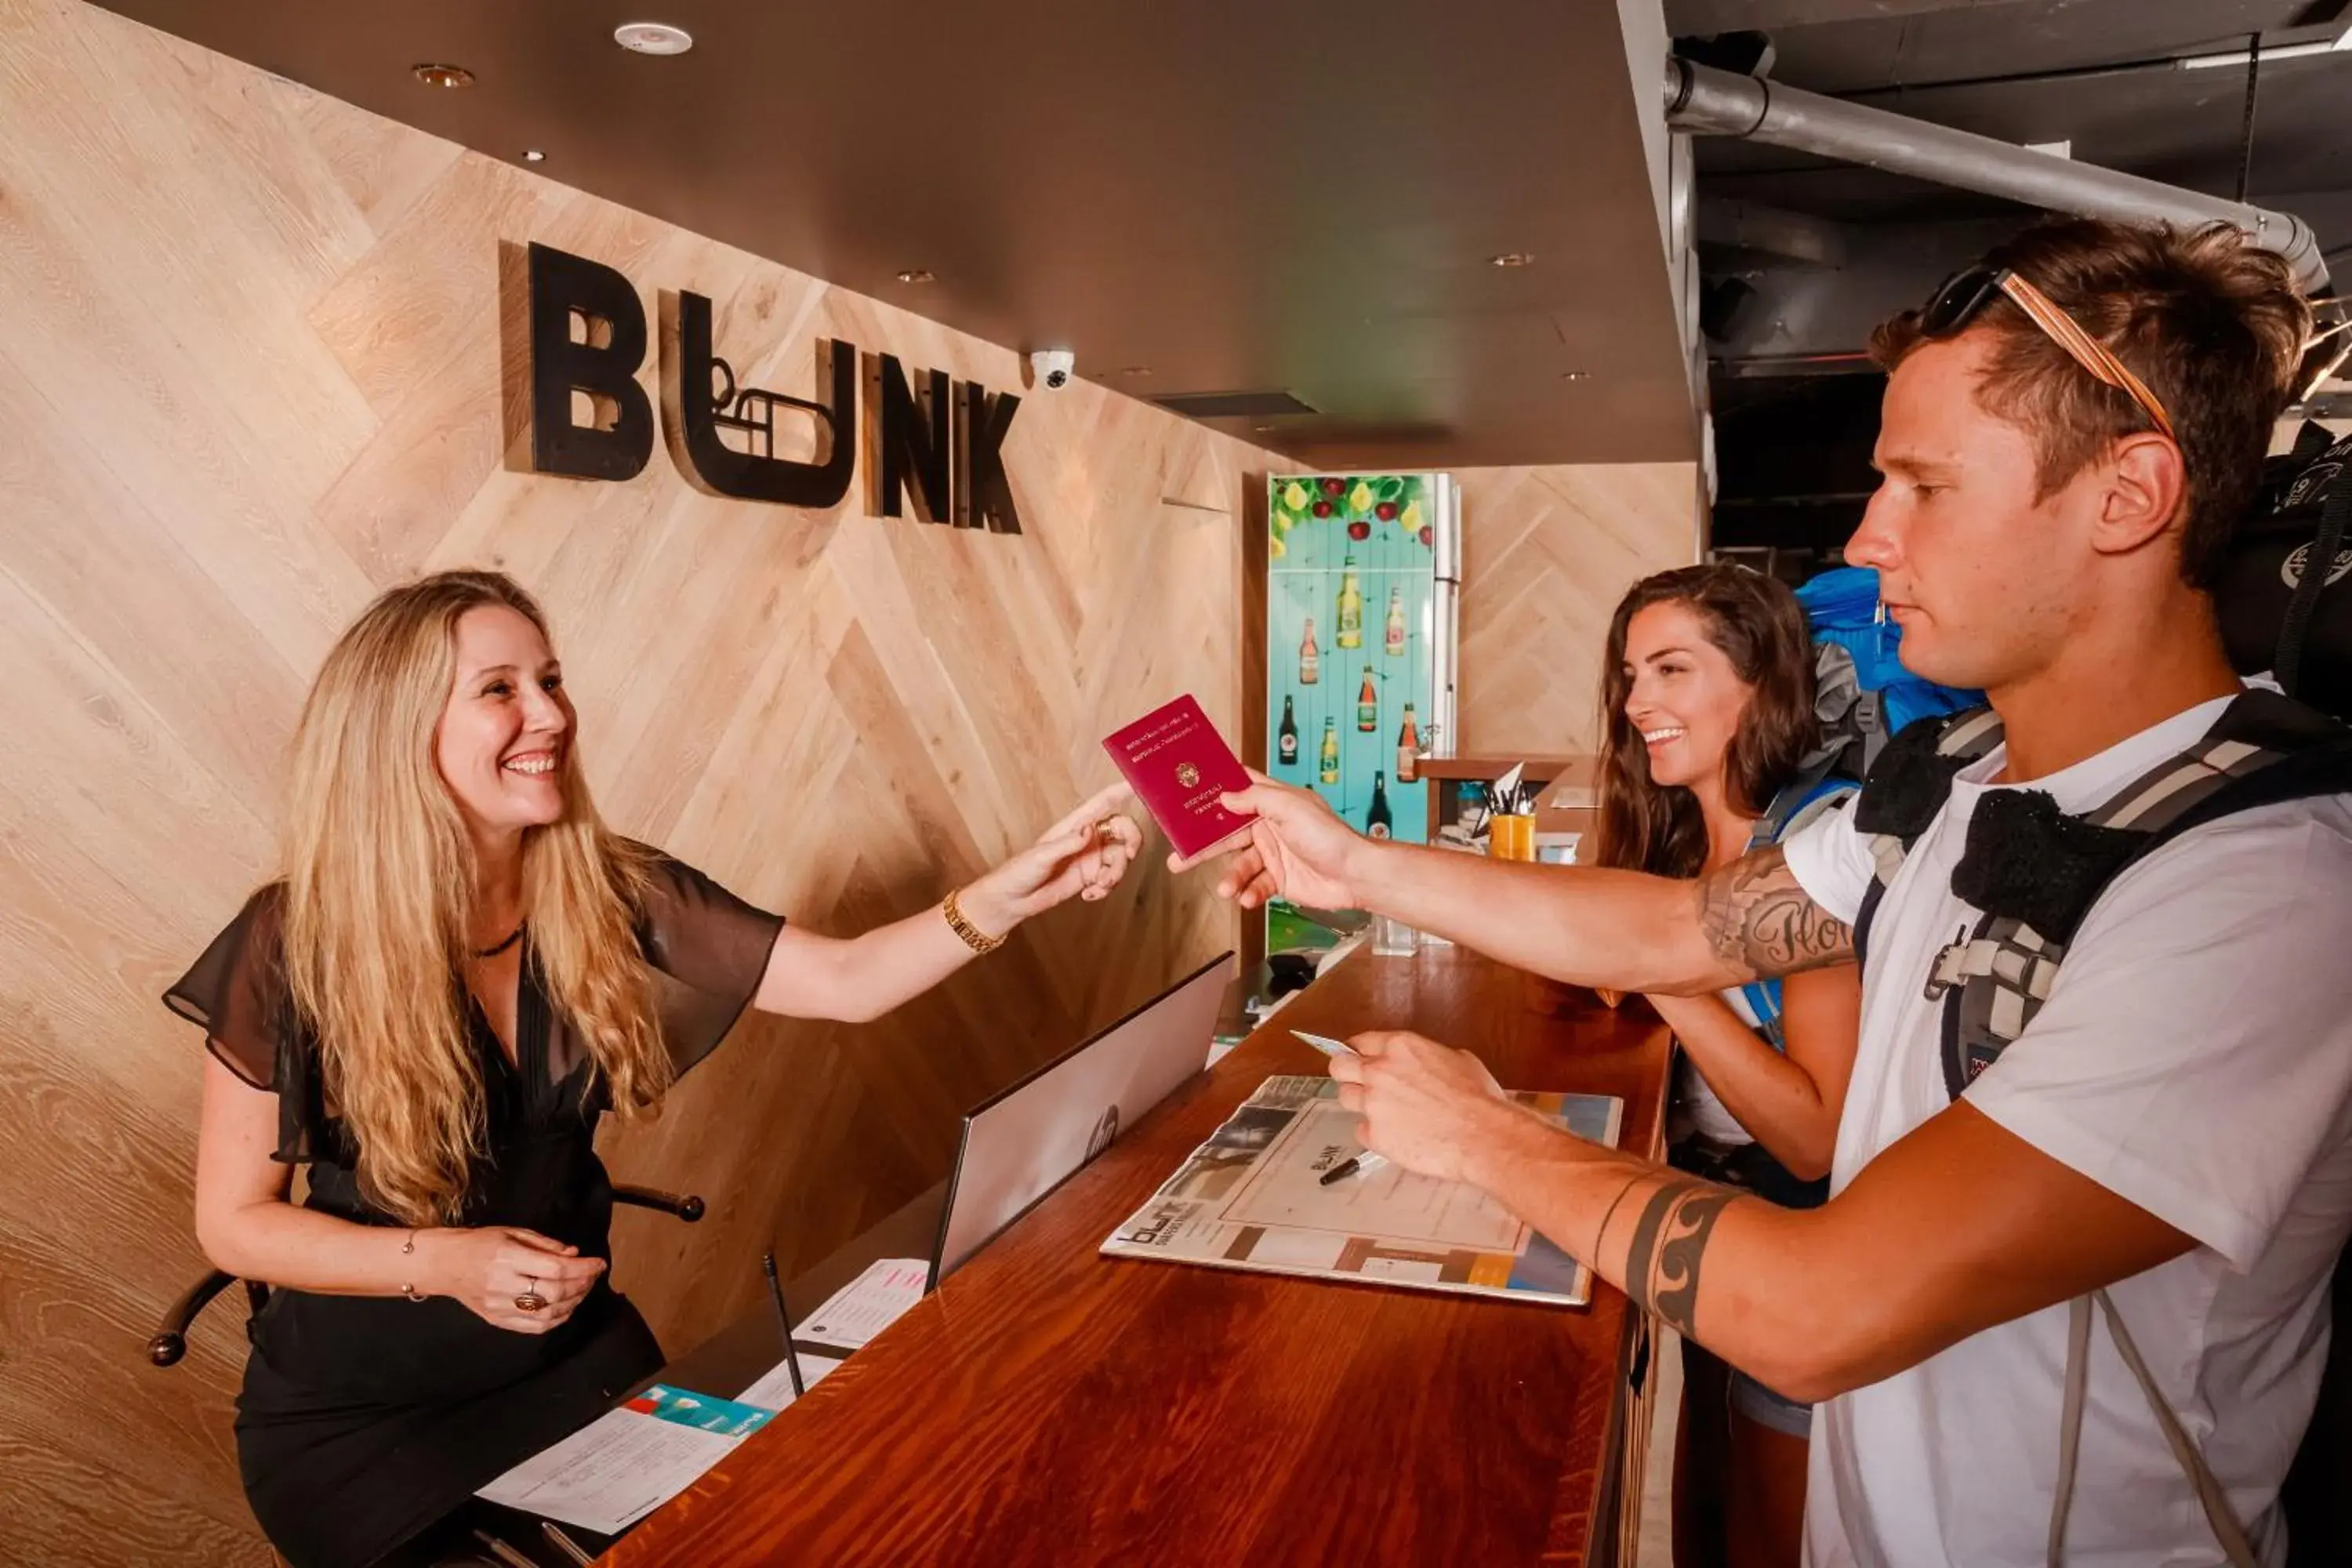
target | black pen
[
  {"x": 784, "y": 1321},
  {"x": 1362, "y": 1164}
]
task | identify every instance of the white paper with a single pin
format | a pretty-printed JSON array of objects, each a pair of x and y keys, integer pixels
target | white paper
[
  {"x": 774, "y": 1389},
  {"x": 611, "y": 1472},
  {"x": 868, "y": 1304}
]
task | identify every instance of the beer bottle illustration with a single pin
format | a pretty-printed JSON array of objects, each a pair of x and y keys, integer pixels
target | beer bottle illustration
[
  {"x": 1329, "y": 769},
  {"x": 1310, "y": 658},
  {"x": 1352, "y": 605},
  {"x": 1368, "y": 704},
  {"x": 1378, "y": 824},
  {"x": 1286, "y": 738},
  {"x": 1393, "y": 639},
  {"x": 1408, "y": 745}
]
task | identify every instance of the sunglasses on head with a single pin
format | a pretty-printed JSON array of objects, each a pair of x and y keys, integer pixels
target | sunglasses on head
[{"x": 1958, "y": 301}]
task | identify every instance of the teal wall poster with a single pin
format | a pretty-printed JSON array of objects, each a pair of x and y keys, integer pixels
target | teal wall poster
[{"x": 1359, "y": 635}]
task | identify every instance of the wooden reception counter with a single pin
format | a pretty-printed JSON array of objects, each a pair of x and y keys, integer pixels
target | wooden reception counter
[{"x": 1050, "y": 1407}]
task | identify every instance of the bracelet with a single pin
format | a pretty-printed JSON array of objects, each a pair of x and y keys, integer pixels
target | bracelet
[
  {"x": 407, "y": 1288},
  {"x": 973, "y": 937}
]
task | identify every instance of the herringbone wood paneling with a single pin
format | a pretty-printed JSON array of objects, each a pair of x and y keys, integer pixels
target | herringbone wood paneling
[
  {"x": 252, "y": 374},
  {"x": 1547, "y": 553}
]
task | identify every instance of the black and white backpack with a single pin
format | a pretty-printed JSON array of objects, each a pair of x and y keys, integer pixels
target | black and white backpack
[{"x": 2277, "y": 613}]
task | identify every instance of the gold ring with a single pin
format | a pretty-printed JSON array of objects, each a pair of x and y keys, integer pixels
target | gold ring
[{"x": 530, "y": 1300}]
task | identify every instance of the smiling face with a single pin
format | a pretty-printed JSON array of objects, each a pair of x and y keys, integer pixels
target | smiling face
[
  {"x": 505, "y": 738},
  {"x": 1685, "y": 698}
]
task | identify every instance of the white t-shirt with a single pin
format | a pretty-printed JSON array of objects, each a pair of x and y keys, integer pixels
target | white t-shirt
[{"x": 2195, "y": 1056}]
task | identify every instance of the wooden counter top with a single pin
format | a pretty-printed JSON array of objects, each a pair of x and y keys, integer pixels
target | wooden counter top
[{"x": 1050, "y": 1407}]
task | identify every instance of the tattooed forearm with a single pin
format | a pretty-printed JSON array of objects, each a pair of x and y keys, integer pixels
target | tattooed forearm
[
  {"x": 1757, "y": 919},
  {"x": 1661, "y": 1270}
]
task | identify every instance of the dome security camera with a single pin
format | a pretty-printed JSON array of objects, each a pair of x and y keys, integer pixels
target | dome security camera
[{"x": 1055, "y": 367}]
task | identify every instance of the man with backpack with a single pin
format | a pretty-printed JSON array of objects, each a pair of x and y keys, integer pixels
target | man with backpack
[{"x": 2068, "y": 1301}]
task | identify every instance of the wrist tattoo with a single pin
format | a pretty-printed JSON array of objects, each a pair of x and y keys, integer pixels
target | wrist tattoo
[
  {"x": 1757, "y": 919},
  {"x": 1661, "y": 1270}
]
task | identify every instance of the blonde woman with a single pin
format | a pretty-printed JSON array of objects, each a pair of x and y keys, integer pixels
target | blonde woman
[{"x": 462, "y": 970}]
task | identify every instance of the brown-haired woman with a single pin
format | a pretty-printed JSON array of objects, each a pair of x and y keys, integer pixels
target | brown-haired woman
[
  {"x": 1708, "y": 709},
  {"x": 461, "y": 972}
]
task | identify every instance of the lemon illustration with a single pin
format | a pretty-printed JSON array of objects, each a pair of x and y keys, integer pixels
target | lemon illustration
[
  {"x": 1409, "y": 517},
  {"x": 1360, "y": 497},
  {"x": 1277, "y": 549},
  {"x": 1295, "y": 496}
]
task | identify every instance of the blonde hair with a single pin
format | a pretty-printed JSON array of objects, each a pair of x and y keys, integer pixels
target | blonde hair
[{"x": 379, "y": 887}]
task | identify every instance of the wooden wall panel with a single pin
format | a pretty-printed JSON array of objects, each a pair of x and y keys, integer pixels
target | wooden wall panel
[
  {"x": 251, "y": 376},
  {"x": 1547, "y": 553}
]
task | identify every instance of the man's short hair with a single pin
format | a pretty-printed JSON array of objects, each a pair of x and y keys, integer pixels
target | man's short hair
[{"x": 2211, "y": 322}]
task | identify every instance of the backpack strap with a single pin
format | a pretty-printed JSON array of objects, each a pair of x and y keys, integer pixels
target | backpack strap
[
  {"x": 1907, "y": 786},
  {"x": 2036, "y": 872},
  {"x": 2210, "y": 1494}
]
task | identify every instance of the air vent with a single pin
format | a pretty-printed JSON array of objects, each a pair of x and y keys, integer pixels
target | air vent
[{"x": 1233, "y": 405}]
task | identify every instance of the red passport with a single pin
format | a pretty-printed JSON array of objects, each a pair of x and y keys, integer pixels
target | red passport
[{"x": 1178, "y": 765}]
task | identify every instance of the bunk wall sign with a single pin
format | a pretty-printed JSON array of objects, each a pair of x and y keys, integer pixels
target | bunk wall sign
[{"x": 931, "y": 443}]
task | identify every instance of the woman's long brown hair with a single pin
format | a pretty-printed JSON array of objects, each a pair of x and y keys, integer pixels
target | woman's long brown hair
[
  {"x": 1759, "y": 625},
  {"x": 378, "y": 888}
]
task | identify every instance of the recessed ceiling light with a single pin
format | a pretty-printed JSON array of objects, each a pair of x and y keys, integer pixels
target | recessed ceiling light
[
  {"x": 1262, "y": 429},
  {"x": 653, "y": 38},
  {"x": 1576, "y": 376},
  {"x": 1513, "y": 258},
  {"x": 533, "y": 156},
  {"x": 918, "y": 275},
  {"x": 444, "y": 75},
  {"x": 1137, "y": 371}
]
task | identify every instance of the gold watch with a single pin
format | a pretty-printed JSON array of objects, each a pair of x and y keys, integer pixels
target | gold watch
[{"x": 973, "y": 937}]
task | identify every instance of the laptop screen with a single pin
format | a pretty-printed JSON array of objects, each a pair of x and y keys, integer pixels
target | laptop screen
[{"x": 1025, "y": 1140}]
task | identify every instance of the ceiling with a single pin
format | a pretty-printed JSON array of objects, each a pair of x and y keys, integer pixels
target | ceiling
[
  {"x": 1242, "y": 195},
  {"x": 1793, "y": 422}
]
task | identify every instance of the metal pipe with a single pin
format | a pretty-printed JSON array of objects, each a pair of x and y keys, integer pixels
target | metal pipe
[{"x": 1711, "y": 102}]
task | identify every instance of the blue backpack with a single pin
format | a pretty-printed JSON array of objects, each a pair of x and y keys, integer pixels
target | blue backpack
[{"x": 1861, "y": 693}]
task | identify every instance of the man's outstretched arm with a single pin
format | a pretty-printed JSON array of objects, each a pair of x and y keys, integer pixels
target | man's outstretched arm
[{"x": 1584, "y": 926}]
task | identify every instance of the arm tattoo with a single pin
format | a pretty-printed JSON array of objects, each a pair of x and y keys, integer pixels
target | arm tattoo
[
  {"x": 1758, "y": 919},
  {"x": 1669, "y": 1243}
]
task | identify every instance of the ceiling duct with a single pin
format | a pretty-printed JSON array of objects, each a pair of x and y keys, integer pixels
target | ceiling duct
[{"x": 1711, "y": 102}]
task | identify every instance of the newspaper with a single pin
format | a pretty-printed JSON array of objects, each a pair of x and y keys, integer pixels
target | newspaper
[{"x": 1253, "y": 1197}]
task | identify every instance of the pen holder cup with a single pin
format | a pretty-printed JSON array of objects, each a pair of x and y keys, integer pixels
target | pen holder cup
[{"x": 1511, "y": 836}]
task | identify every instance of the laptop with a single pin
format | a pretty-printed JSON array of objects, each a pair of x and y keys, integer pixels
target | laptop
[{"x": 1024, "y": 1141}]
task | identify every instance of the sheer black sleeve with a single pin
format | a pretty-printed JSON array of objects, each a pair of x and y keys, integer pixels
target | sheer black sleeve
[
  {"x": 236, "y": 992},
  {"x": 709, "y": 949}
]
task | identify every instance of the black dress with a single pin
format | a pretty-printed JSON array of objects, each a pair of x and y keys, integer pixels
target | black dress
[{"x": 364, "y": 1419}]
